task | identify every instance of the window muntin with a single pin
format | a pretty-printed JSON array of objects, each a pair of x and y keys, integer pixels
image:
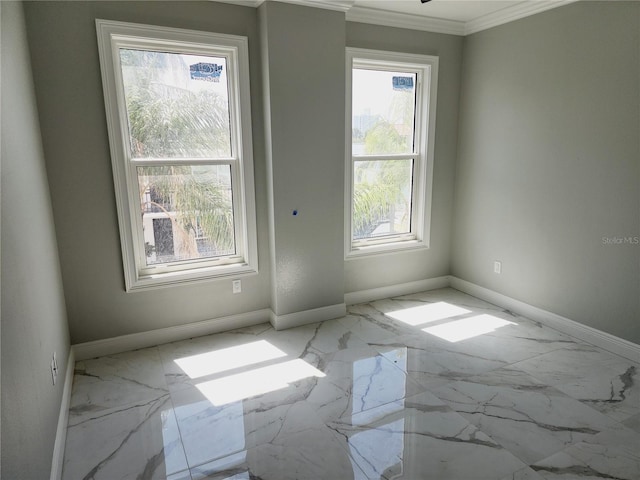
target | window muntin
[
  {"x": 178, "y": 114},
  {"x": 391, "y": 115}
]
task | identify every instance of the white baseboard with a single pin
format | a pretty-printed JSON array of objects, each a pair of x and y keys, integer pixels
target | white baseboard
[
  {"x": 591, "y": 335},
  {"x": 134, "y": 341},
  {"x": 63, "y": 418},
  {"x": 297, "y": 319},
  {"x": 372, "y": 294}
]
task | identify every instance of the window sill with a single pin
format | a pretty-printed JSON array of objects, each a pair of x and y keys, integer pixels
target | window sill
[
  {"x": 187, "y": 277},
  {"x": 385, "y": 249}
]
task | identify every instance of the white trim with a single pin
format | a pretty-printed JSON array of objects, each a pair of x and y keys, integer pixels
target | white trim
[
  {"x": 404, "y": 20},
  {"x": 297, "y": 319},
  {"x": 420, "y": 22},
  {"x": 242, "y": 3},
  {"x": 510, "y": 14},
  {"x": 591, "y": 335},
  {"x": 113, "y": 35},
  {"x": 336, "y": 5},
  {"x": 57, "y": 460},
  {"x": 169, "y": 279},
  {"x": 425, "y": 67},
  {"x": 394, "y": 247},
  {"x": 453, "y": 27},
  {"x": 582, "y": 332},
  {"x": 364, "y": 296},
  {"x": 134, "y": 341},
  {"x": 84, "y": 351}
]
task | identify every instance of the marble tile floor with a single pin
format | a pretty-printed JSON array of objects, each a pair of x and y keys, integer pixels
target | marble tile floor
[{"x": 437, "y": 385}]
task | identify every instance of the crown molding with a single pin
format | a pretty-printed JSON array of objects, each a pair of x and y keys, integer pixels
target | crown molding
[
  {"x": 242, "y": 3},
  {"x": 337, "y": 5},
  {"x": 403, "y": 20},
  {"x": 418, "y": 22},
  {"x": 509, "y": 14}
]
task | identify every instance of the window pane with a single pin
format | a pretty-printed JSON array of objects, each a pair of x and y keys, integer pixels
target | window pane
[
  {"x": 382, "y": 198},
  {"x": 177, "y": 105},
  {"x": 187, "y": 212},
  {"x": 383, "y": 112}
]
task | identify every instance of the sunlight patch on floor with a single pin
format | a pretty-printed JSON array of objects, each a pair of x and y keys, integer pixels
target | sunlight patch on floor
[
  {"x": 432, "y": 312},
  {"x": 258, "y": 381},
  {"x": 225, "y": 359},
  {"x": 458, "y": 330}
]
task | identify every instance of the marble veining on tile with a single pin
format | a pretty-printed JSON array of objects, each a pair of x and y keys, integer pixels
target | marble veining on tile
[
  {"x": 421, "y": 438},
  {"x": 434, "y": 385},
  {"x": 606, "y": 382},
  {"x": 533, "y": 423}
]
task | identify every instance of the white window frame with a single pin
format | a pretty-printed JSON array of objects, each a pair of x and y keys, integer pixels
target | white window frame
[
  {"x": 138, "y": 276},
  {"x": 426, "y": 68}
]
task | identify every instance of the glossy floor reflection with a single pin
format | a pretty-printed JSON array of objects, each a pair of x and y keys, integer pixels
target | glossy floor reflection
[{"x": 438, "y": 385}]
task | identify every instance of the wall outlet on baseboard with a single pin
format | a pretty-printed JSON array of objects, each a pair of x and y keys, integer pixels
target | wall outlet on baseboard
[
  {"x": 497, "y": 267},
  {"x": 237, "y": 286}
]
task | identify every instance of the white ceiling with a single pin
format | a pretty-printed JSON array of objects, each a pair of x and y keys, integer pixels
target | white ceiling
[
  {"x": 457, "y": 10},
  {"x": 457, "y": 17}
]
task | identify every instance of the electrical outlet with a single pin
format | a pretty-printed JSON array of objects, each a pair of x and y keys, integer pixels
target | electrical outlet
[
  {"x": 497, "y": 267},
  {"x": 237, "y": 286}
]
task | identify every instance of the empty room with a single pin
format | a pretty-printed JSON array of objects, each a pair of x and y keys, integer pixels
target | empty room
[{"x": 320, "y": 240}]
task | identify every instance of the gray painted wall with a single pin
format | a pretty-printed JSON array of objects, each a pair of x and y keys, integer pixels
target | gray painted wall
[
  {"x": 306, "y": 169},
  {"x": 34, "y": 323},
  {"x": 384, "y": 270},
  {"x": 62, "y": 37},
  {"x": 549, "y": 163},
  {"x": 304, "y": 58}
]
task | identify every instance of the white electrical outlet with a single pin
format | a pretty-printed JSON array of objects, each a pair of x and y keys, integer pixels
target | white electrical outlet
[
  {"x": 497, "y": 267},
  {"x": 237, "y": 286}
]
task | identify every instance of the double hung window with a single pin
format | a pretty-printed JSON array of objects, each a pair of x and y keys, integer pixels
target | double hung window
[
  {"x": 391, "y": 118},
  {"x": 178, "y": 111}
]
